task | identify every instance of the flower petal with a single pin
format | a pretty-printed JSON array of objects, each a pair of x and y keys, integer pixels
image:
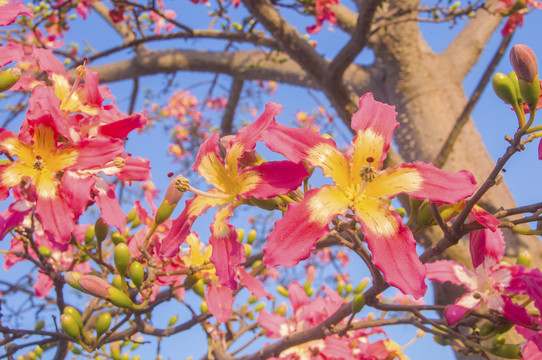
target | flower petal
[
  {"x": 454, "y": 313},
  {"x": 303, "y": 224},
  {"x": 57, "y": 218},
  {"x": 76, "y": 189},
  {"x": 423, "y": 181},
  {"x": 516, "y": 313},
  {"x": 271, "y": 178},
  {"x": 97, "y": 152},
  {"x": 107, "y": 201},
  {"x": 486, "y": 243},
  {"x": 219, "y": 301},
  {"x": 248, "y": 136},
  {"x": 275, "y": 324},
  {"x": 228, "y": 253},
  {"x": 393, "y": 247},
  {"x": 445, "y": 270},
  {"x": 252, "y": 284}
]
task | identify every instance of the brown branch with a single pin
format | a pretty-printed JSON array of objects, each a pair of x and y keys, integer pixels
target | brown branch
[
  {"x": 448, "y": 146},
  {"x": 233, "y": 100}
]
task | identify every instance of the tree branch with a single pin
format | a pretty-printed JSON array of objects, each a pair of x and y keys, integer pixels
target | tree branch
[{"x": 229, "y": 112}]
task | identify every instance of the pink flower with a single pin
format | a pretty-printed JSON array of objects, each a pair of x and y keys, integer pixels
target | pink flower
[
  {"x": 360, "y": 185},
  {"x": 160, "y": 21},
  {"x": 515, "y": 9},
  {"x": 9, "y": 10},
  {"x": 487, "y": 283},
  {"x": 323, "y": 12}
]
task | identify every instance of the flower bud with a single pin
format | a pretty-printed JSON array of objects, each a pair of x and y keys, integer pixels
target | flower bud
[
  {"x": 8, "y": 78},
  {"x": 524, "y": 258},
  {"x": 282, "y": 290},
  {"x": 103, "y": 324},
  {"x": 524, "y": 62},
  {"x": 268, "y": 204},
  {"x": 39, "y": 325},
  {"x": 39, "y": 351},
  {"x": 240, "y": 235},
  {"x": 89, "y": 234},
  {"x": 122, "y": 258},
  {"x": 504, "y": 88},
  {"x": 69, "y": 310},
  {"x": 203, "y": 307},
  {"x": 530, "y": 92},
  {"x": 358, "y": 303},
  {"x": 44, "y": 251},
  {"x": 101, "y": 230},
  {"x": 118, "y": 298},
  {"x": 251, "y": 237},
  {"x": 137, "y": 274},
  {"x": 94, "y": 286},
  {"x": 175, "y": 190},
  {"x": 507, "y": 351},
  {"x": 199, "y": 288},
  {"x": 259, "y": 307},
  {"x": 71, "y": 278},
  {"x": 117, "y": 282},
  {"x": 118, "y": 238},
  {"x": 131, "y": 216},
  {"x": 248, "y": 249},
  {"x": 172, "y": 320},
  {"x": 362, "y": 285},
  {"x": 499, "y": 340},
  {"x": 69, "y": 326}
]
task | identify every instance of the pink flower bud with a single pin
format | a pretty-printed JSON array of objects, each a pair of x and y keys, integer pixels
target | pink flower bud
[
  {"x": 94, "y": 286},
  {"x": 524, "y": 62}
]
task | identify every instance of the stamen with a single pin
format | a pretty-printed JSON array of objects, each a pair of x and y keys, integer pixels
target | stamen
[
  {"x": 182, "y": 184},
  {"x": 119, "y": 162},
  {"x": 367, "y": 173},
  {"x": 38, "y": 164}
]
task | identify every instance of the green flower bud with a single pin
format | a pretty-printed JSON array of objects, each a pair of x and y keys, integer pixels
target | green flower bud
[
  {"x": 44, "y": 251},
  {"x": 248, "y": 249},
  {"x": 524, "y": 258},
  {"x": 8, "y": 78},
  {"x": 340, "y": 287},
  {"x": 118, "y": 238},
  {"x": 117, "y": 282},
  {"x": 69, "y": 310},
  {"x": 101, "y": 230},
  {"x": 401, "y": 211},
  {"x": 530, "y": 91},
  {"x": 90, "y": 234},
  {"x": 118, "y": 298},
  {"x": 136, "y": 222},
  {"x": 283, "y": 291},
  {"x": 39, "y": 325},
  {"x": 348, "y": 288},
  {"x": 172, "y": 320},
  {"x": 251, "y": 237},
  {"x": 137, "y": 274},
  {"x": 499, "y": 340},
  {"x": 512, "y": 76},
  {"x": 71, "y": 278},
  {"x": 259, "y": 307},
  {"x": 240, "y": 235},
  {"x": 69, "y": 325},
  {"x": 268, "y": 204},
  {"x": 39, "y": 351},
  {"x": 115, "y": 350},
  {"x": 507, "y": 351},
  {"x": 131, "y": 216},
  {"x": 125, "y": 357},
  {"x": 252, "y": 299},
  {"x": 203, "y": 307},
  {"x": 486, "y": 328},
  {"x": 309, "y": 291},
  {"x": 122, "y": 258},
  {"x": 504, "y": 88},
  {"x": 103, "y": 324},
  {"x": 358, "y": 303},
  {"x": 199, "y": 288},
  {"x": 362, "y": 285},
  {"x": 75, "y": 350}
]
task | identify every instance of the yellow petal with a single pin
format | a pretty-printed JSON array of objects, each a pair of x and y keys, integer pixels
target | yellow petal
[
  {"x": 332, "y": 161},
  {"x": 367, "y": 144},
  {"x": 376, "y": 216},
  {"x": 394, "y": 181},
  {"x": 329, "y": 201}
]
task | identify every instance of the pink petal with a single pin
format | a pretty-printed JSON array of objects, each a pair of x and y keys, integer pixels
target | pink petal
[
  {"x": 393, "y": 248},
  {"x": 516, "y": 313},
  {"x": 44, "y": 108},
  {"x": 337, "y": 348},
  {"x": 111, "y": 211},
  {"x": 532, "y": 350},
  {"x": 10, "y": 52},
  {"x": 219, "y": 301},
  {"x": 376, "y": 117},
  {"x": 298, "y": 296},
  {"x": 294, "y": 143},
  {"x": 96, "y": 152},
  {"x": 10, "y": 11},
  {"x": 252, "y": 284},
  {"x": 276, "y": 177},
  {"x": 209, "y": 146},
  {"x": 14, "y": 216},
  {"x": 57, "y": 218},
  {"x": 120, "y": 129},
  {"x": 296, "y": 233},
  {"x": 486, "y": 244},
  {"x": 441, "y": 186},
  {"x": 135, "y": 169},
  {"x": 44, "y": 284},
  {"x": 445, "y": 270},
  {"x": 48, "y": 62},
  {"x": 228, "y": 253},
  {"x": 76, "y": 189},
  {"x": 484, "y": 218},
  {"x": 92, "y": 88},
  {"x": 454, "y": 313},
  {"x": 273, "y": 323},
  {"x": 253, "y": 133}
]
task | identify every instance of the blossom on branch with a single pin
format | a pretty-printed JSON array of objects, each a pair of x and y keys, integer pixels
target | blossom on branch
[{"x": 360, "y": 185}]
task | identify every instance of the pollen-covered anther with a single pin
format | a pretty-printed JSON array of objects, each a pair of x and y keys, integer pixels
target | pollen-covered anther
[
  {"x": 368, "y": 173},
  {"x": 119, "y": 162},
  {"x": 81, "y": 71},
  {"x": 182, "y": 184},
  {"x": 38, "y": 164}
]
